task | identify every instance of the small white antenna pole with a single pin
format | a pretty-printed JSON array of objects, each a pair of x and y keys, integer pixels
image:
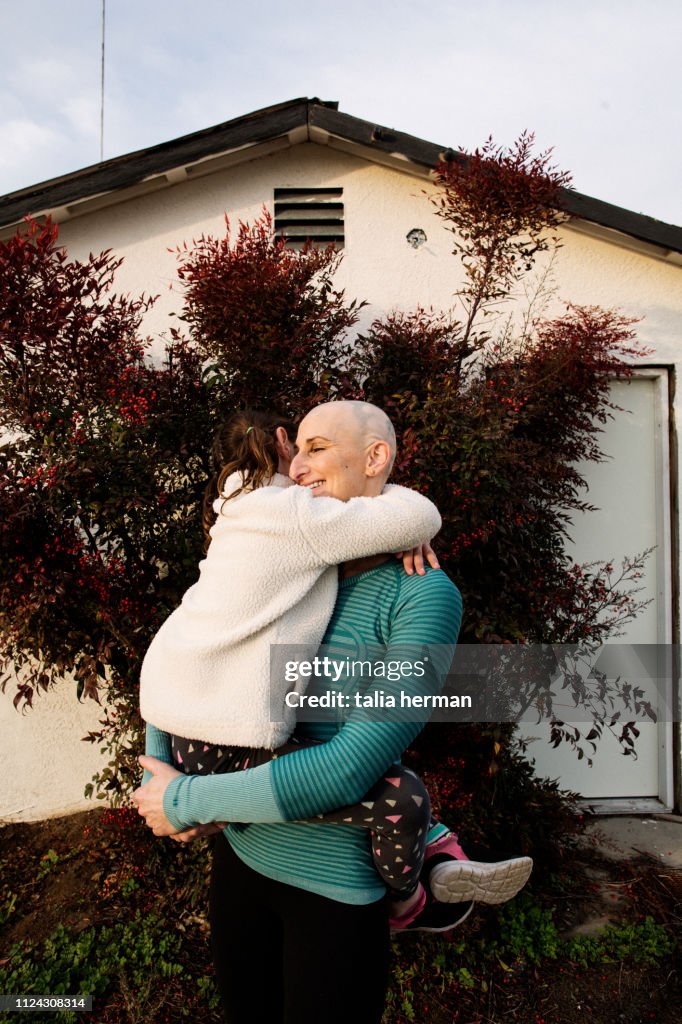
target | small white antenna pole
[{"x": 101, "y": 107}]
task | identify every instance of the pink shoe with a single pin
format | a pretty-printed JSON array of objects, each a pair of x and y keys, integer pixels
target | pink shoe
[
  {"x": 398, "y": 923},
  {"x": 448, "y": 845},
  {"x": 430, "y": 916}
]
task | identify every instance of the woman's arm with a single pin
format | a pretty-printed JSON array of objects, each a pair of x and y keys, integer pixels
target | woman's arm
[{"x": 329, "y": 775}]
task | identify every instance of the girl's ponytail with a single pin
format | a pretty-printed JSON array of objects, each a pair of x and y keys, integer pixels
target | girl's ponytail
[{"x": 245, "y": 444}]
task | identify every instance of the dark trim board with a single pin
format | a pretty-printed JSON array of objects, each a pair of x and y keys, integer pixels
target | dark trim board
[
  {"x": 271, "y": 123},
  {"x": 637, "y": 225},
  {"x": 132, "y": 168}
]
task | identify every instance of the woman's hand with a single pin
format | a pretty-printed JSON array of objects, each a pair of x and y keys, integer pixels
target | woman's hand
[
  {"x": 149, "y": 798},
  {"x": 198, "y": 831},
  {"x": 414, "y": 559}
]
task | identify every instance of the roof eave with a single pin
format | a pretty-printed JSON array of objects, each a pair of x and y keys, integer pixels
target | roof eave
[
  {"x": 134, "y": 169},
  {"x": 280, "y": 126}
]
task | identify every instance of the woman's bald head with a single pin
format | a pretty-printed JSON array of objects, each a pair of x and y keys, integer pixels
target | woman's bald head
[
  {"x": 360, "y": 434},
  {"x": 369, "y": 422}
]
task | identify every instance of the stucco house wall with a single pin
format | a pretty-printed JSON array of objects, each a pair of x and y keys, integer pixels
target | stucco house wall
[{"x": 44, "y": 763}]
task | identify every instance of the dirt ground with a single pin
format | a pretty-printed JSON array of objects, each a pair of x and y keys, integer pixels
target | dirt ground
[{"x": 64, "y": 871}]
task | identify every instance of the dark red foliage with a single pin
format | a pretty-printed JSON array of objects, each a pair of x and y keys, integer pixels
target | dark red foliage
[
  {"x": 496, "y": 445},
  {"x": 103, "y": 459},
  {"x": 49, "y": 306},
  {"x": 501, "y": 206},
  {"x": 267, "y": 317}
]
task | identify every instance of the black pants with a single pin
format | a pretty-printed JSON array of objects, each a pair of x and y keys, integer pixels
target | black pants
[{"x": 287, "y": 956}]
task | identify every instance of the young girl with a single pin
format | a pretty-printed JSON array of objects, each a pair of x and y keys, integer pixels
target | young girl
[{"x": 269, "y": 577}]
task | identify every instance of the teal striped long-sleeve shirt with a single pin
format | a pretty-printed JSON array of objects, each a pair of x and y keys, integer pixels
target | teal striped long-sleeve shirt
[{"x": 407, "y": 619}]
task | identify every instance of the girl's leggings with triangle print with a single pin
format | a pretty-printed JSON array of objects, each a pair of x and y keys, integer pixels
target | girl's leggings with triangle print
[{"x": 396, "y": 811}]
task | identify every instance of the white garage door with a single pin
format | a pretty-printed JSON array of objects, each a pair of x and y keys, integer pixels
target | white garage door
[{"x": 631, "y": 492}]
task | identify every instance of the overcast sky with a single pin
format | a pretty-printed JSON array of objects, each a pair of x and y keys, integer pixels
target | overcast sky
[{"x": 598, "y": 81}]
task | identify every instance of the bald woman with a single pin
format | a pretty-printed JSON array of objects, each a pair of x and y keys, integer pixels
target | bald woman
[{"x": 299, "y": 924}]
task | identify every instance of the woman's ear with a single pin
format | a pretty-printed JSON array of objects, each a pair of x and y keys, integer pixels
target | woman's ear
[
  {"x": 378, "y": 458},
  {"x": 283, "y": 445}
]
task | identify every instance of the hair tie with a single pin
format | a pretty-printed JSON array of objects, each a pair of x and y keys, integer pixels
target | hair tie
[{"x": 248, "y": 431}]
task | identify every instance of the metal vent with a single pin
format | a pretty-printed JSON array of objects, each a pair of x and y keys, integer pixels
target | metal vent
[{"x": 309, "y": 213}]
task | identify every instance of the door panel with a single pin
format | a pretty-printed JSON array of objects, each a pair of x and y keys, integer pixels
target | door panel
[{"x": 630, "y": 492}]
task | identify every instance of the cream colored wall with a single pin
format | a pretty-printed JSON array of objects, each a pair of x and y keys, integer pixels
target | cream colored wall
[
  {"x": 44, "y": 764},
  {"x": 381, "y": 206},
  {"x": 598, "y": 273}
]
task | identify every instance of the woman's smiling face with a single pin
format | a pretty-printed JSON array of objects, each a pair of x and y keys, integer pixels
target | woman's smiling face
[{"x": 332, "y": 455}]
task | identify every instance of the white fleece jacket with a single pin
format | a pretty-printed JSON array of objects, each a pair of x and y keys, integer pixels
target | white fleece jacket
[{"x": 269, "y": 577}]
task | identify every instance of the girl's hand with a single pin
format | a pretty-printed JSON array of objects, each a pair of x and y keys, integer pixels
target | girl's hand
[{"x": 414, "y": 559}]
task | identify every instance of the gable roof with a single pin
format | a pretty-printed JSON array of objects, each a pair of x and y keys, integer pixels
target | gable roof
[{"x": 280, "y": 126}]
